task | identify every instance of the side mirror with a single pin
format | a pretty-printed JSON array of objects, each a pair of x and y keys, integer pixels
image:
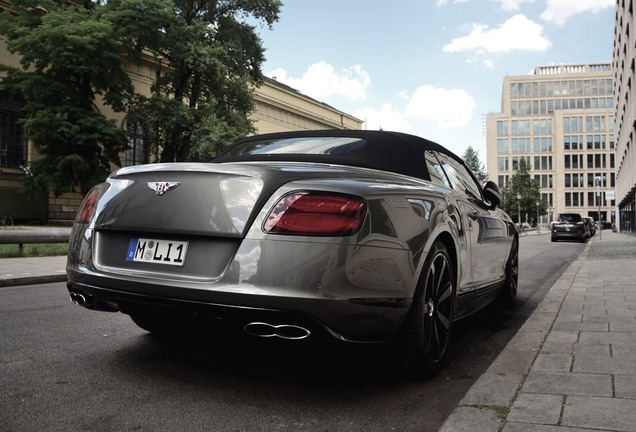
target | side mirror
[{"x": 492, "y": 193}]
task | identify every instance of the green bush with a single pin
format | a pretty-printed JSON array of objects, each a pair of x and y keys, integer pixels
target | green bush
[{"x": 33, "y": 250}]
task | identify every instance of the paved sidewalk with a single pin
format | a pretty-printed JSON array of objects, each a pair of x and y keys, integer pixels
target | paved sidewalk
[
  {"x": 572, "y": 365},
  {"x": 570, "y": 368},
  {"x": 25, "y": 271}
]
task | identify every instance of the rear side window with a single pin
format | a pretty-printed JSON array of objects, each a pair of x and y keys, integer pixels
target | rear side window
[
  {"x": 435, "y": 170},
  {"x": 459, "y": 176}
]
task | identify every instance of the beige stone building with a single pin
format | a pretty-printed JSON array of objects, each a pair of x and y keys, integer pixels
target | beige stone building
[
  {"x": 277, "y": 108},
  {"x": 624, "y": 74},
  {"x": 560, "y": 120}
]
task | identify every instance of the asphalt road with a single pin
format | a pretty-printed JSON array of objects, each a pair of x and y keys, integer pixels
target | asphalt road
[{"x": 64, "y": 368}]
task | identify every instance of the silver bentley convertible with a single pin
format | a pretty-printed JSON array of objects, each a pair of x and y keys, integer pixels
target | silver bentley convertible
[{"x": 361, "y": 236}]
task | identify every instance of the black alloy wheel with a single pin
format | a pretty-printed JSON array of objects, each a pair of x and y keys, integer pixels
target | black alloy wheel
[
  {"x": 428, "y": 327},
  {"x": 511, "y": 285}
]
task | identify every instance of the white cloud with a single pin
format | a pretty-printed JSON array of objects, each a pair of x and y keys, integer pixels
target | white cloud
[
  {"x": 403, "y": 95},
  {"x": 386, "y": 118},
  {"x": 558, "y": 11},
  {"x": 517, "y": 33},
  {"x": 510, "y": 5},
  {"x": 321, "y": 80},
  {"x": 447, "y": 108}
]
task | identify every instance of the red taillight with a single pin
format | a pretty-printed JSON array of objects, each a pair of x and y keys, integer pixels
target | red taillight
[
  {"x": 320, "y": 214},
  {"x": 87, "y": 209}
]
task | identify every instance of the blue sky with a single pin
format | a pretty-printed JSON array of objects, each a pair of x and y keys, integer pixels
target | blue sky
[{"x": 432, "y": 68}]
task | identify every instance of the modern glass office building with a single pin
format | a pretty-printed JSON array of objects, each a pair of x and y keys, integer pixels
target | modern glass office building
[
  {"x": 560, "y": 120},
  {"x": 624, "y": 74}
]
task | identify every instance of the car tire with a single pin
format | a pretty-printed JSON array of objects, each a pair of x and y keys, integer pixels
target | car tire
[
  {"x": 508, "y": 296},
  {"x": 553, "y": 239},
  {"x": 428, "y": 328}
]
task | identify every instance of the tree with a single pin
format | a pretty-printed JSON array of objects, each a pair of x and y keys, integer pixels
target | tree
[
  {"x": 71, "y": 54},
  {"x": 202, "y": 100},
  {"x": 471, "y": 158},
  {"x": 522, "y": 184}
]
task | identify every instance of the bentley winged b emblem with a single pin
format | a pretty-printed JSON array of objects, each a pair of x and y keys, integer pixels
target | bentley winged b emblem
[{"x": 161, "y": 188}]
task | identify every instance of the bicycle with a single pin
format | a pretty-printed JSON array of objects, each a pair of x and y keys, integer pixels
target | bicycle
[{"x": 6, "y": 221}]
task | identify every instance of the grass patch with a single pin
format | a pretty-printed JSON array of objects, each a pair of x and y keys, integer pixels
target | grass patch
[
  {"x": 33, "y": 250},
  {"x": 502, "y": 411}
]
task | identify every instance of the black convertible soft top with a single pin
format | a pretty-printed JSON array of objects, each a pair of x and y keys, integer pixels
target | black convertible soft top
[{"x": 387, "y": 151}]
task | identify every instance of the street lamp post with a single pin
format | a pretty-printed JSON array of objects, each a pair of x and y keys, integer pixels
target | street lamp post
[
  {"x": 598, "y": 199},
  {"x": 537, "y": 216},
  {"x": 519, "y": 209}
]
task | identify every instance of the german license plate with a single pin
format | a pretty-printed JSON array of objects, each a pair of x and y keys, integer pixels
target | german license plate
[{"x": 168, "y": 252}]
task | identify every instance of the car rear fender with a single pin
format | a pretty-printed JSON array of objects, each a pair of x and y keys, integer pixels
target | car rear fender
[{"x": 447, "y": 228}]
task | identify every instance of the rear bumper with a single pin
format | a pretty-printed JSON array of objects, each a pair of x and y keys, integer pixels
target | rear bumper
[
  {"x": 568, "y": 235},
  {"x": 352, "y": 320}
]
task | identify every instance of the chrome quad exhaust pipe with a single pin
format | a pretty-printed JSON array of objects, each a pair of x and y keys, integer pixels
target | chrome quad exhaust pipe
[
  {"x": 79, "y": 298},
  {"x": 283, "y": 331}
]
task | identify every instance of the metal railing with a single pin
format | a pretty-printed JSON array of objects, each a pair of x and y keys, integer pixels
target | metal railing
[{"x": 33, "y": 236}]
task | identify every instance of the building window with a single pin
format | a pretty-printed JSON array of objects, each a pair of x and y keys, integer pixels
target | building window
[
  {"x": 575, "y": 180},
  {"x": 502, "y": 145},
  {"x": 520, "y": 145},
  {"x": 13, "y": 146},
  {"x": 136, "y": 152},
  {"x": 572, "y": 124},
  {"x": 542, "y": 127},
  {"x": 574, "y": 199},
  {"x": 503, "y": 164},
  {"x": 596, "y": 161},
  {"x": 502, "y": 128},
  {"x": 595, "y": 123},
  {"x": 545, "y": 180},
  {"x": 542, "y": 144}
]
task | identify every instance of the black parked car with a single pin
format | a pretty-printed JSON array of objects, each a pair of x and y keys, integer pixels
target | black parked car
[
  {"x": 570, "y": 226},
  {"x": 591, "y": 224}
]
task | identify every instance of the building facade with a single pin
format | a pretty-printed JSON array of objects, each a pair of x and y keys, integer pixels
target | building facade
[
  {"x": 624, "y": 73},
  {"x": 560, "y": 120},
  {"x": 277, "y": 108}
]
